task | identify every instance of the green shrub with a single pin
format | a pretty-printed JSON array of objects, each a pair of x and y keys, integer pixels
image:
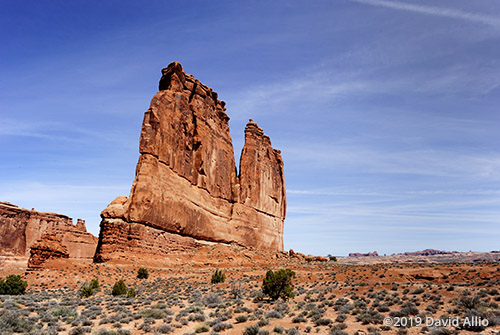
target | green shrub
[
  {"x": 94, "y": 283},
  {"x": 119, "y": 288},
  {"x": 278, "y": 284},
  {"x": 13, "y": 285},
  {"x": 202, "y": 328},
  {"x": 86, "y": 291},
  {"x": 143, "y": 273},
  {"x": 89, "y": 289},
  {"x": 218, "y": 277},
  {"x": 131, "y": 293},
  {"x": 251, "y": 330}
]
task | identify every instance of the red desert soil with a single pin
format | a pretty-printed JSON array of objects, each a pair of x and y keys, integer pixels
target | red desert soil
[{"x": 178, "y": 297}]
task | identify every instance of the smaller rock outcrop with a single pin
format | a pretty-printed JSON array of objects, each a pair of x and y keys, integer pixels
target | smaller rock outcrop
[
  {"x": 20, "y": 228},
  {"x": 49, "y": 246}
]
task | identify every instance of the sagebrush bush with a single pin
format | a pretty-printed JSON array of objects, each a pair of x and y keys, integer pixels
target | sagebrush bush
[
  {"x": 278, "y": 284},
  {"x": 218, "y": 277},
  {"x": 13, "y": 285}
]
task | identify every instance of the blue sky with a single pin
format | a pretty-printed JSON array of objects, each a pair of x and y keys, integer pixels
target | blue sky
[{"x": 387, "y": 112}]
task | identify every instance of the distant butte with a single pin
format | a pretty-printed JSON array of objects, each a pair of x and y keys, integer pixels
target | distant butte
[
  {"x": 187, "y": 192},
  {"x": 22, "y": 229}
]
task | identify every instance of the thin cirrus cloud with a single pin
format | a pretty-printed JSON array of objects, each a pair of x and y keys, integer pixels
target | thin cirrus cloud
[{"x": 436, "y": 11}]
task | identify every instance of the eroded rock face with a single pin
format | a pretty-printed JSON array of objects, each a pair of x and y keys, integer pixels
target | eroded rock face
[
  {"x": 186, "y": 186},
  {"x": 49, "y": 246},
  {"x": 20, "y": 228}
]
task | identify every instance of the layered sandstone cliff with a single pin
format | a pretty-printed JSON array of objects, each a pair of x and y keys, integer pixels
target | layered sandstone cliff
[
  {"x": 20, "y": 228},
  {"x": 49, "y": 246},
  {"x": 187, "y": 191}
]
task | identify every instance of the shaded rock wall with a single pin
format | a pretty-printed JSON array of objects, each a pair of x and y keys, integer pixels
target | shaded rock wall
[
  {"x": 49, "y": 246},
  {"x": 20, "y": 228},
  {"x": 186, "y": 186}
]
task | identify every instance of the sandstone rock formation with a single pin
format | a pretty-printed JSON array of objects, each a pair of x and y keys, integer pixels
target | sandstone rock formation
[
  {"x": 187, "y": 191},
  {"x": 49, "y": 246},
  {"x": 20, "y": 228}
]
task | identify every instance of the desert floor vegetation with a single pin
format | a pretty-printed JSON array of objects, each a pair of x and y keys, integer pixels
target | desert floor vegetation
[{"x": 328, "y": 298}]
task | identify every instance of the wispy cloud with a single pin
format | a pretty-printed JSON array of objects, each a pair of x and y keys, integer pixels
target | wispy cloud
[{"x": 436, "y": 11}]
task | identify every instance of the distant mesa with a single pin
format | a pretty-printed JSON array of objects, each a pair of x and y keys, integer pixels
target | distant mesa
[
  {"x": 187, "y": 192},
  {"x": 359, "y": 254},
  {"x": 428, "y": 252},
  {"x": 21, "y": 229}
]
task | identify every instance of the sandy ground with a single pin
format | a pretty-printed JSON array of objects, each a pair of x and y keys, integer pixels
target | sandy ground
[{"x": 178, "y": 297}]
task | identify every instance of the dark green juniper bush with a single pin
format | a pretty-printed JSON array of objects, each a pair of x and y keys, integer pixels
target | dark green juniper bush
[
  {"x": 278, "y": 284},
  {"x": 218, "y": 277},
  {"x": 13, "y": 285},
  {"x": 119, "y": 288},
  {"x": 143, "y": 273}
]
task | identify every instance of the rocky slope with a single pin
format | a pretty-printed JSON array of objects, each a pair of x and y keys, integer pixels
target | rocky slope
[
  {"x": 20, "y": 228},
  {"x": 187, "y": 192}
]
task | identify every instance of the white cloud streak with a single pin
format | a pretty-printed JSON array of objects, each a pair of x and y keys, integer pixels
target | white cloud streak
[{"x": 436, "y": 11}]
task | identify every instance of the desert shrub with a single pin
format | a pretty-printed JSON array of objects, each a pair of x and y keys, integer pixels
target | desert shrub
[
  {"x": 119, "y": 288},
  {"x": 263, "y": 322},
  {"x": 237, "y": 290},
  {"x": 440, "y": 331},
  {"x": 418, "y": 291},
  {"x": 164, "y": 329},
  {"x": 263, "y": 332},
  {"x": 383, "y": 308},
  {"x": 153, "y": 313},
  {"x": 469, "y": 302},
  {"x": 341, "y": 318},
  {"x": 13, "y": 285},
  {"x": 370, "y": 316},
  {"x": 402, "y": 331},
  {"x": 94, "y": 283},
  {"x": 131, "y": 293},
  {"x": 337, "y": 331},
  {"x": 202, "y": 328},
  {"x": 218, "y": 277},
  {"x": 278, "y": 330},
  {"x": 211, "y": 300},
  {"x": 323, "y": 322},
  {"x": 251, "y": 330},
  {"x": 89, "y": 289},
  {"x": 472, "y": 314},
  {"x": 113, "y": 332},
  {"x": 12, "y": 321},
  {"x": 142, "y": 273},
  {"x": 278, "y": 284},
  {"x": 86, "y": 291},
  {"x": 80, "y": 330},
  {"x": 274, "y": 314},
  {"x": 221, "y": 326},
  {"x": 241, "y": 318}
]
